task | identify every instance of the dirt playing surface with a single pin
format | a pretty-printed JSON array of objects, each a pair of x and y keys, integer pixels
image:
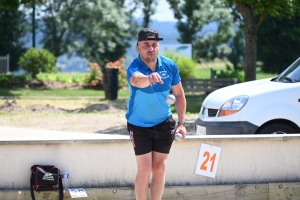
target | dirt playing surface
[
  {"x": 96, "y": 118},
  {"x": 13, "y": 107}
]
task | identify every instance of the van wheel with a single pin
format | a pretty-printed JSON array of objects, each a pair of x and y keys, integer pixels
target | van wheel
[{"x": 276, "y": 128}]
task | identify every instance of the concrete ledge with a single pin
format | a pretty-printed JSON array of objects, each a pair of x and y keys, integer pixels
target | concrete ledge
[
  {"x": 271, "y": 191},
  {"x": 9, "y": 135},
  {"x": 105, "y": 162}
]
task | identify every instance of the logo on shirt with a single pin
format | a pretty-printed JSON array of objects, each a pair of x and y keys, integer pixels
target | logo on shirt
[{"x": 163, "y": 74}]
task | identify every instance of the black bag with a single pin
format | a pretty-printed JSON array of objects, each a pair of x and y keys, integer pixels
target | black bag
[{"x": 45, "y": 178}]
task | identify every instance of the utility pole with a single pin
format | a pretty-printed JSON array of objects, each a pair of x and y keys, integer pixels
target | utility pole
[{"x": 33, "y": 24}]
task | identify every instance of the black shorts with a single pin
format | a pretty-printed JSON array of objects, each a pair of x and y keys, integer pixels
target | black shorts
[{"x": 158, "y": 138}]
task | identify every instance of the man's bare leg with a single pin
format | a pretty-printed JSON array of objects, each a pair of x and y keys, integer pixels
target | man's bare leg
[
  {"x": 144, "y": 164},
  {"x": 159, "y": 162}
]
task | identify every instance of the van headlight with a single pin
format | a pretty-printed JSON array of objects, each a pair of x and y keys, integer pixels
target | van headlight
[{"x": 233, "y": 105}]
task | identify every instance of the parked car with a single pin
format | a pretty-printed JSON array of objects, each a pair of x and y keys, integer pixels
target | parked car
[{"x": 267, "y": 106}]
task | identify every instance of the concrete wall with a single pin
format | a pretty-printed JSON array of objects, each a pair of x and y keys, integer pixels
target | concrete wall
[{"x": 99, "y": 160}]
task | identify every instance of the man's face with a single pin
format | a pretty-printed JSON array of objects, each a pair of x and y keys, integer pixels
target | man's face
[{"x": 148, "y": 49}]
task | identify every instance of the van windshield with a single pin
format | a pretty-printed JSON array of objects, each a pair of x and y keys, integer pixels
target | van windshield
[{"x": 291, "y": 74}]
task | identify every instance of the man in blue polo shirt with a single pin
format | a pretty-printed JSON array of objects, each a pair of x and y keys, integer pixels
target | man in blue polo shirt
[{"x": 149, "y": 118}]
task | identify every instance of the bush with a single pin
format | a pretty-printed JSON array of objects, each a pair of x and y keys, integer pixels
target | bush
[
  {"x": 64, "y": 78},
  {"x": 94, "y": 77},
  {"x": 11, "y": 80},
  {"x": 231, "y": 74},
  {"x": 4, "y": 80},
  {"x": 35, "y": 61},
  {"x": 186, "y": 66},
  {"x": 61, "y": 77},
  {"x": 122, "y": 78},
  {"x": 78, "y": 78}
]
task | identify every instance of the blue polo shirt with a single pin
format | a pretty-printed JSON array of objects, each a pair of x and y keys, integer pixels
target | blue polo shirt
[{"x": 147, "y": 107}]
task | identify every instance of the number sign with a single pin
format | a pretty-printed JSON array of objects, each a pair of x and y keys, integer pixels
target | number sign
[{"x": 208, "y": 160}]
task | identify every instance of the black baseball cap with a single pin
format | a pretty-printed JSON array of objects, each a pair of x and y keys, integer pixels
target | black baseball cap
[{"x": 145, "y": 32}]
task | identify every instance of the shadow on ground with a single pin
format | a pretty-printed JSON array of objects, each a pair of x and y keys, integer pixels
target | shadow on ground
[
  {"x": 117, "y": 130},
  {"x": 122, "y": 130}
]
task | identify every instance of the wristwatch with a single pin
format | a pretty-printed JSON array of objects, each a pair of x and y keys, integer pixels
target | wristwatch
[{"x": 181, "y": 123}]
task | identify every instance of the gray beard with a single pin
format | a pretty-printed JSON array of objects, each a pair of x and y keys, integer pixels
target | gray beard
[{"x": 151, "y": 60}]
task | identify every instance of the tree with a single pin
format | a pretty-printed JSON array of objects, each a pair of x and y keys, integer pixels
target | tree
[
  {"x": 193, "y": 15},
  {"x": 253, "y": 13},
  {"x": 148, "y": 10},
  {"x": 96, "y": 29},
  {"x": 13, "y": 4},
  {"x": 237, "y": 42},
  {"x": 13, "y": 28},
  {"x": 276, "y": 42},
  {"x": 101, "y": 31},
  {"x": 130, "y": 7},
  {"x": 58, "y": 24}
]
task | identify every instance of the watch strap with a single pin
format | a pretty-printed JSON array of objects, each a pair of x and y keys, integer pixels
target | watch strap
[{"x": 181, "y": 123}]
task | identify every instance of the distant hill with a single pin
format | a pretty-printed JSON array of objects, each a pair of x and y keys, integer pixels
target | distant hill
[{"x": 166, "y": 30}]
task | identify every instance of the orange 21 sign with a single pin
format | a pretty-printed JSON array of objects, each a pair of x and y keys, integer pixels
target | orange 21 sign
[{"x": 208, "y": 160}]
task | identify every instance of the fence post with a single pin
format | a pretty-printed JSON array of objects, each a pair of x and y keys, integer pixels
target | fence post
[
  {"x": 7, "y": 63},
  {"x": 213, "y": 73},
  {"x": 4, "y": 64}
]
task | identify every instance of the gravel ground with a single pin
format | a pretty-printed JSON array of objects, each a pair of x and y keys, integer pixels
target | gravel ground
[{"x": 95, "y": 118}]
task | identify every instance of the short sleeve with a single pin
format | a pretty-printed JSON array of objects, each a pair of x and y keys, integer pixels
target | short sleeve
[
  {"x": 176, "y": 76},
  {"x": 133, "y": 68}
]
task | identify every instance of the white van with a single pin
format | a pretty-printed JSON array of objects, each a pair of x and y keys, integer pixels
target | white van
[{"x": 268, "y": 106}]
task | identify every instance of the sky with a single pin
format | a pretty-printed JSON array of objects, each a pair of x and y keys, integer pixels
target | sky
[{"x": 163, "y": 12}]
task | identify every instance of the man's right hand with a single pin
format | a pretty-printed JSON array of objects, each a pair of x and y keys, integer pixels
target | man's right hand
[{"x": 155, "y": 78}]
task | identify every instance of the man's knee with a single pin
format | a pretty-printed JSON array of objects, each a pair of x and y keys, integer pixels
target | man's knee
[{"x": 159, "y": 167}]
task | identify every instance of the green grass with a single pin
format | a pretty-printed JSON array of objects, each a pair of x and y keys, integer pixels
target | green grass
[
  {"x": 22, "y": 92},
  {"x": 262, "y": 75},
  {"x": 204, "y": 70}
]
